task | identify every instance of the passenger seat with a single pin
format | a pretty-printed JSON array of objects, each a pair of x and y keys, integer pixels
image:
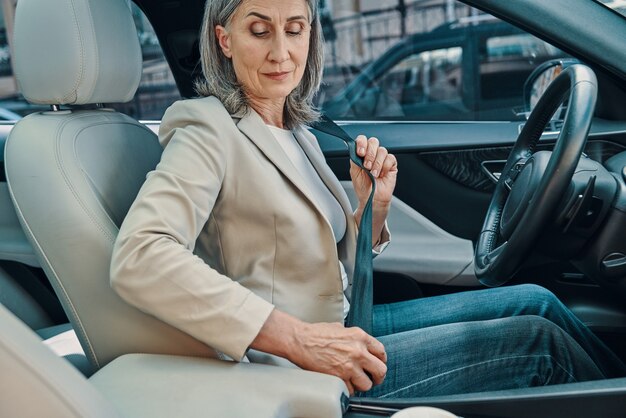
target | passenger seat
[
  {"x": 63, "y": 342},
  {"x": 36, "y": 383},
  {"x": 34, "y": 304}
]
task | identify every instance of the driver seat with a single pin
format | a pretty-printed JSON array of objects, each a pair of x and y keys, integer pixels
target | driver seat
[{"x": 74, "y": 172}]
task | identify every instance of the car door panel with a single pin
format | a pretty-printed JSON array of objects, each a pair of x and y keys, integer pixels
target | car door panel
[
  {"x": 442, "y": 258},
  {"x": 423, "y": 185},
  {"x": 442, "y": 178},
  {"x": 441, "y": 165}
]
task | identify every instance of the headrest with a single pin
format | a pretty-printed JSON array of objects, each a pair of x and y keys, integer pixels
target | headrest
[{"x": 76, "y": 51}]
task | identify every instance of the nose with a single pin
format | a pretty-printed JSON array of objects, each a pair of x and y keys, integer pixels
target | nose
[{"x": 279, "y": 51}]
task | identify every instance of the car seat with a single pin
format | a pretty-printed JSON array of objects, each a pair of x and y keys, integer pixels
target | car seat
[
  {"x": 36, "y": 383},
  {"x": 22, "y": 293},
  {"x": 73, "y": 172}
]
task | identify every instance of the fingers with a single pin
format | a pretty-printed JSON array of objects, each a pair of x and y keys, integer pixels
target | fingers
[
  {"x": 375, "y": 369},
  {"x": 361, "y": 145},
  {"x": 348, "y": 353},
  {"x": 390, "y": 164},
  {"x": 360, "y": 381},
  {"x": 371, "y": 368},
  {"x": 374, "y": 360},
  {"x": 375, "y": 158},
  {"x": 379, "y": 159},
  {"x": 377, "y": 348},
  {"x": 370, "y": 154},
  {"x": 367, "y": 149},
  {"x": 350, "y": 387}
]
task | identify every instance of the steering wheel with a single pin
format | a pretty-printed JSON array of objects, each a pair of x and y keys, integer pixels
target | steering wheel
[{"x": 532, "y": 183}]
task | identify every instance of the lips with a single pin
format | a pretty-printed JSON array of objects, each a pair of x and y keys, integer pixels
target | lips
[{"x": 279, "y": 75}]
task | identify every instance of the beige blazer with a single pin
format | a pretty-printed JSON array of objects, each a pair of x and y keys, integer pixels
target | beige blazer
[{"x": 224, "y": 230}]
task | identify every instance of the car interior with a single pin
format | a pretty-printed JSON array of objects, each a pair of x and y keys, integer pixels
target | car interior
[{"x": 71, "y": 173}]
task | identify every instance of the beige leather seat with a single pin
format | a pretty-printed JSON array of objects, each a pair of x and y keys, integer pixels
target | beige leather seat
[
  {"x": 72, "y": 175},
  {"x": 36, "y": 383},
  {"x": 22, "y": 293}
]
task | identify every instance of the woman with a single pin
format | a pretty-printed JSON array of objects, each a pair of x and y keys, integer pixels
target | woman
[{"x": 243, "y": 238}]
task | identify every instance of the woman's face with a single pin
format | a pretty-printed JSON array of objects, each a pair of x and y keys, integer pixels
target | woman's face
[{"x": 268, "y": 43}]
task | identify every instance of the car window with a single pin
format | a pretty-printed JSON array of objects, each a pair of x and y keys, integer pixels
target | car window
[
  {"x": 435, "y": 60},
  {"x": 425, "y": 77},
  {"x": 157, "y": 89},
  {"x": 506, "y": 61},
  {"x": 414, "y": 85}
]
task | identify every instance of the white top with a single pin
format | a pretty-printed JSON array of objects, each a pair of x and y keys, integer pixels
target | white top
[{"x": 330, "y": 207}]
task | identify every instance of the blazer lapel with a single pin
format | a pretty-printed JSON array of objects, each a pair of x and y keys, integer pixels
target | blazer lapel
[
  {"x": 251, "y": 125},
  {"x": 306, "y": 139},
  {"x": 346, "y": 250},
  {"x": 254, "y": 128}
]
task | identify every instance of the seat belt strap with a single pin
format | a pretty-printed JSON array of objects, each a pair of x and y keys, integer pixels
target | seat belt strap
[{"x": 360, "y": 313}]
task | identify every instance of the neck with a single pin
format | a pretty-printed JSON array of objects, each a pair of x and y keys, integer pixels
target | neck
[{"x": 270, "y": 110}]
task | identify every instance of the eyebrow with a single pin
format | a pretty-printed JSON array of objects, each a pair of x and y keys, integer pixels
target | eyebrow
[{"x": 269, "y": 19}]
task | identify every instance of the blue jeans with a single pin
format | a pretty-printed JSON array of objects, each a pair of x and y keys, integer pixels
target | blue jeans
[{"x": 492, "y": 339}]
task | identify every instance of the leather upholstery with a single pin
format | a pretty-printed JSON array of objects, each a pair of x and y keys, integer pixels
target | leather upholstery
[
  {"x": 82, "y": 52},
  {"x": 153, "y": 386},
  {"x": 73, "y": 175},
  {"x": 62, "y": 340},
  {"x": 36, "y": 383},
  {"x": 13, "y": 243}
]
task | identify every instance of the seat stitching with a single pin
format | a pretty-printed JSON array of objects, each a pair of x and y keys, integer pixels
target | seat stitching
[
  {"x": 97, "y": 54},
  {"x": 496, "y": 224},
  {"x": 90, "y": 350},
  {"x": 81, "y": 66},
  {"x": 55, "y": 279},
  {"x": 103, "y": 228},
  {"x": 68, "y": 183}
]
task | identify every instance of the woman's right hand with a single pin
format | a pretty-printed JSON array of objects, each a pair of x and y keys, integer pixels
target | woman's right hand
[{"x": 348, "y": 353}]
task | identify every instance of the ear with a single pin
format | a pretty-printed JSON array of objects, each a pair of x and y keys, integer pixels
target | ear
[{"x": 223, "y": 38}]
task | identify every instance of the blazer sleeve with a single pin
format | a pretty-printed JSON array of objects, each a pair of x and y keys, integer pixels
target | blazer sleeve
[{"x": 153, "y": 266}]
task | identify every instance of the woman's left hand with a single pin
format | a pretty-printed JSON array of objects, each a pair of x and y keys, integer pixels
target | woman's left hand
[
  {"x": 384, "y": 168},
  {"x": 382, "y": 165}
]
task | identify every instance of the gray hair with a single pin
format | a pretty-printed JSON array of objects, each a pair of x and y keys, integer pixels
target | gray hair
[{"x": 219, "y": 74}]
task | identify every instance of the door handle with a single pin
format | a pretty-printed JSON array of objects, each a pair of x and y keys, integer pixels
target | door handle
[{"x": 493, "y": 169}]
